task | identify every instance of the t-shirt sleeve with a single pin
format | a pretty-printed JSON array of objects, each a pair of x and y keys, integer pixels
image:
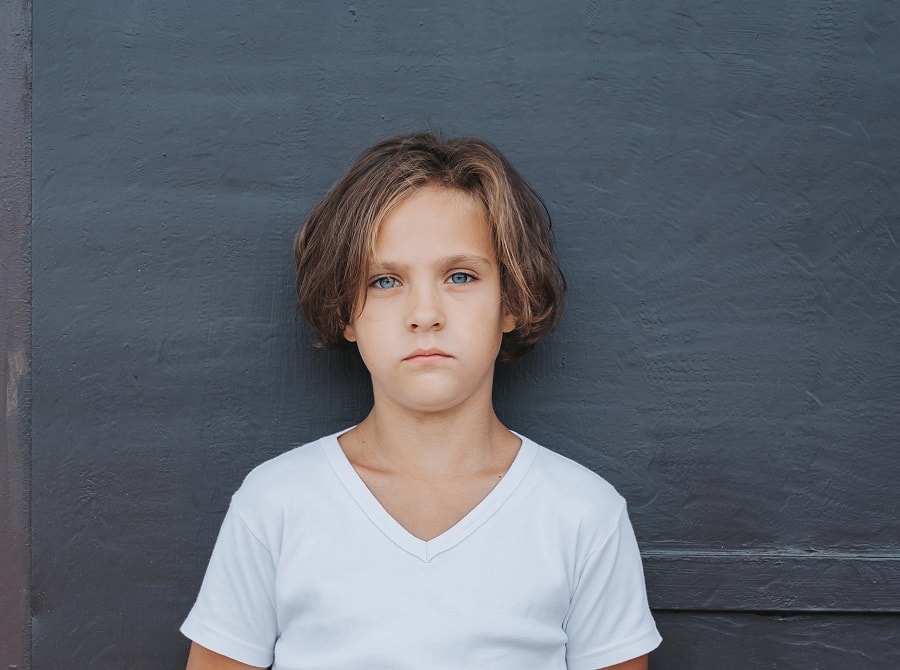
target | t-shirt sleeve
[
  {"x": 234, "y": 614},
  {"x": 609, "y": 620}
]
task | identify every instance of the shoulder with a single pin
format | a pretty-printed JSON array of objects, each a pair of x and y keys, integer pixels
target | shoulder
[
  {"x": 296, "y": 475},
  {"x": 283, "y": 470},
  {"x": 573, "y": 480},
  {"x": 579, "y": 498},
  {"x": 288, "y": 491}
]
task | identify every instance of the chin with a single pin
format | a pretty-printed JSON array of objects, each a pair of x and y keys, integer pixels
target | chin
[
  {"x": 426, "y": 403},
  {"x": 426, "y": 406}
]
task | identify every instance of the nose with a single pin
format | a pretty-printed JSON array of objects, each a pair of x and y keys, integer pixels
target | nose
[{"x": 425, "y": 311}]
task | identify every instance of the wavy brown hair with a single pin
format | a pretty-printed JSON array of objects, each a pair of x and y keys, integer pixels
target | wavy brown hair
[{"x": 334, "y": 246}]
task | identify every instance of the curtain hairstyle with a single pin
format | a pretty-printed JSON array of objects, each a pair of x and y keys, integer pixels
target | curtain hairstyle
[{"x": 333, "y": 248}]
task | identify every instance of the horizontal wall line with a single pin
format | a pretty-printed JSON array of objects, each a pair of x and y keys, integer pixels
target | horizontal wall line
[{"x": 741, "y": 581}]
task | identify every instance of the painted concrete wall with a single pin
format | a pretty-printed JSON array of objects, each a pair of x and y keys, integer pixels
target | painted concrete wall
[
  {"x": 15, "y": 320},
  {"x": 724, "y": 184}
]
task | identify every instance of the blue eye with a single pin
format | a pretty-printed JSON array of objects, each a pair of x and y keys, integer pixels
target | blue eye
[
  {"x": 384, "y": 282},
  {"x": 461, "y": 278}
]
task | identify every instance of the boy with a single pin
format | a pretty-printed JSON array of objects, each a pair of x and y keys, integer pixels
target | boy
[{"x": 429, "y": 535}]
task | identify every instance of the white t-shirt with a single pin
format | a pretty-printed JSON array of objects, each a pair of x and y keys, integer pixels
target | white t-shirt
[{"x": 310, "y": 571}]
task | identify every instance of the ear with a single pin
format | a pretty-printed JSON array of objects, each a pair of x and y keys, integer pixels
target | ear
[
  {"x": 509, "y": 323},
  {"x": 349, "y": 333}
]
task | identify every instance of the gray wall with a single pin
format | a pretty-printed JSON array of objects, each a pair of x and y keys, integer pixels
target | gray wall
[
  {"x": 15, "y": 319},
  {"x": 725, "y": 186}
]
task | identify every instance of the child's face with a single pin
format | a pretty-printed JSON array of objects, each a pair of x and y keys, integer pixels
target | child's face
[{"x": 433, "y": 318}]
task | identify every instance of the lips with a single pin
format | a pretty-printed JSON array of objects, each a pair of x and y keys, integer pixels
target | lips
[{"x": 425, "y": 355}]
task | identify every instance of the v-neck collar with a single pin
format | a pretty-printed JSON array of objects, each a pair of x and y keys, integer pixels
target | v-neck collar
[{"x": 422, "y": 549}]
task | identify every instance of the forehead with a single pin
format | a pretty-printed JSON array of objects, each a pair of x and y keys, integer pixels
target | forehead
[{"x": 435, "y": 215}]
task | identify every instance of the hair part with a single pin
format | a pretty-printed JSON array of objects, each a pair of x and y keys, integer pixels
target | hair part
[{"x": 334, "y": 246}]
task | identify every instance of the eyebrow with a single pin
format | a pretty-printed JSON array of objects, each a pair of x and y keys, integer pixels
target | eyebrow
[{"x": 457, "y": 260}]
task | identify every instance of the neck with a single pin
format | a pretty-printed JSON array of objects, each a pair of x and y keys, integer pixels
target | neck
[{"x": 430, "y": 444}]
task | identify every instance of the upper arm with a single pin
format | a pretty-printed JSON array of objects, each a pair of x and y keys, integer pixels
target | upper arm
[
  {"x": 235, "y": 613},
  {"x": 609, "y": 618},
  {"x": 639, "y": 663},
  {"x": 202, "y": 658}
]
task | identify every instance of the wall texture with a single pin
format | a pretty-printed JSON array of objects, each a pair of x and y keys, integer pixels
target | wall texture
[
  {"x": 15, "y": 320},
  {"x": 725, "y": 185}
]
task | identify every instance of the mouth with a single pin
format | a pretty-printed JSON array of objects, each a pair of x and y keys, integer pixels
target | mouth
[{"x": 428, "y": 355}]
